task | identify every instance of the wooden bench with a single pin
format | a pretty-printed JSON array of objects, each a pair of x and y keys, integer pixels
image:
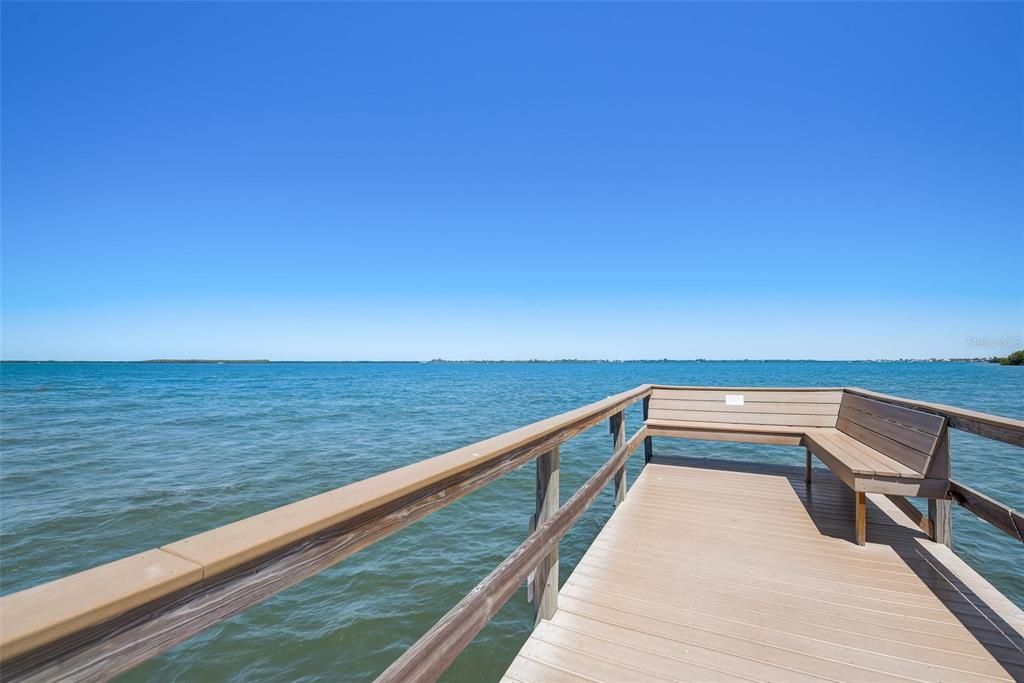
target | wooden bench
[{"x": 871, "y": 445}]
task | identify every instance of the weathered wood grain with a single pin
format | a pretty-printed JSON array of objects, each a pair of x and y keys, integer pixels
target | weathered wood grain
[
  {"x": 904, "y": 434},
  {"x": 995, "y": 513},
  {"x": 940, "y": 518},
  {"x": 617, "y": 428},
  {"x": 685, "y": 431},
  {"x": 91, "y": 596},
  {"x": 855, "y": 456},
  {"x": 747, "y": 416},
  {"x": 714, "y": 431},
  {"x": 925, "y": 422},
  {"x": 1006, "y": 429},
  {"x": 431, "y": 655},
  {"x": 228, "y": 546},
  {"x": 769, "y": 408},
  {"x": 101, "y": 650},
  {"x": 904, "y": 455},
  {"x": 922, "y": 442},
  {"x": 545, "y": 576}
]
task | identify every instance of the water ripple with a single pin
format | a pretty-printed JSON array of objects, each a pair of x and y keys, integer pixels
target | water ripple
[{"x": 119, "y": 458}]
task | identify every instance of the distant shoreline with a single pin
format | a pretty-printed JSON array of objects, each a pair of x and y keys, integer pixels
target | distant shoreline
[
  {"x": 204, "y": 360},
  {"x": 439, "y": 361}
]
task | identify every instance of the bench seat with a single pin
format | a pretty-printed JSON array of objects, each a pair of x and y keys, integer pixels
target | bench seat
[
  {"x": 871, "y": 445},
  {"x": 860, "y": 466},
  {"x": 857, "y": 457}
]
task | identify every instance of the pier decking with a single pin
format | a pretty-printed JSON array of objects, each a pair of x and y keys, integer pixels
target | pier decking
[
  {"x": 684, "y": 584},
  {"x": 706, "y": 571}
]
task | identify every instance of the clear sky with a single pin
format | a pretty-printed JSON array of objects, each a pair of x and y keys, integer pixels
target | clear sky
[{"x": 410, "y": 181}]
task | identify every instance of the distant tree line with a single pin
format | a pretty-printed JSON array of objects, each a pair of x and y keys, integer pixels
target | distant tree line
[{"x": 1015, "y": 358}]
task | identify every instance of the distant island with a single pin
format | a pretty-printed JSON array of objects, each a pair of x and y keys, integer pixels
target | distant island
[
  {"x": 204, "y": 360},
  {"x": 1015, "y": 358}
]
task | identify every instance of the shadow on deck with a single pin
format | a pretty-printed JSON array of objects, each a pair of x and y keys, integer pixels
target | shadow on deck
[
  {"x": 726, "y": 570},
  {"x": 829, "y": 504}
]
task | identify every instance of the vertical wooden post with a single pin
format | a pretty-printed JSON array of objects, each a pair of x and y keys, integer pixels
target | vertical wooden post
[
  {"x": 940, "y": 512},
  {"x": 648, "y": 441},
  {"x": 807, "y": 477},
  {"x": 617, "y": 427},
  {"x": 861, "y": 528},
  {"x": 544, "y": 582}
]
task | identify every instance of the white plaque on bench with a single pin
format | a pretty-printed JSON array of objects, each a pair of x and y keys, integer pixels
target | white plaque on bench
[{"x": 734, "y": 399}]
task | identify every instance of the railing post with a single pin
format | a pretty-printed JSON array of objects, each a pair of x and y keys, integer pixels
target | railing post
[
  {"x": 940, "y": 511},
  {"x": 648, "y": 441},
  {"x": 940, "y": 514},
  {"x": 543, "y": 586},
  {"x": 617, "y": 427}
]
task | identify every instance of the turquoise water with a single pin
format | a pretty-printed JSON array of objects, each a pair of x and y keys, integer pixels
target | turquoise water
[{"x": 105, "y": 460}]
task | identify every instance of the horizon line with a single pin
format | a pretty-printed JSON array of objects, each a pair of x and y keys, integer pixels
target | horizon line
[{"x": 440, "y": 361}]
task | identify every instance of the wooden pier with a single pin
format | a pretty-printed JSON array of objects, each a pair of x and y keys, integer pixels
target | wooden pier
[
  {"x": 707, "y": 570},
  {"x": 683, "y": 583}
]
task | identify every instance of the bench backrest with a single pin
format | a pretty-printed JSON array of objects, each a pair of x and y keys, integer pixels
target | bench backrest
[
  {"x": 910, "y": 436},
  {"x": 785, "y": 407}
]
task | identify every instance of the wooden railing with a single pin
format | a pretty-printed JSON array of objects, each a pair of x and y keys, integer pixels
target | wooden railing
[
  {"x": 428, "y": 658},
  {"x": 103, "y": 621}
]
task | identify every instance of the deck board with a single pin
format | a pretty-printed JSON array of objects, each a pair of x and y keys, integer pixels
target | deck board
[{"x": 737, "y": 571}]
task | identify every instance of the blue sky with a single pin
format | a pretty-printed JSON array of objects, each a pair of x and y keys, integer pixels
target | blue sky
[{"x": 409, "y": 181}]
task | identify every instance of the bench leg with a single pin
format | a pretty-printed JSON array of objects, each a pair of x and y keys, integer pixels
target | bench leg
[
  {"x": 808, "y": 477},
  {"x": 861, "y": 512}
]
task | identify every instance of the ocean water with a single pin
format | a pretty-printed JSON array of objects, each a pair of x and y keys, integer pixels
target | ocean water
[{"x": 103, "y": 460}]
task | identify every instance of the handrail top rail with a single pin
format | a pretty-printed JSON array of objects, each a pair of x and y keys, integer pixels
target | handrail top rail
[
  {"x": 225, "y": 547},
  {"x": 53, "y": 609}
]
